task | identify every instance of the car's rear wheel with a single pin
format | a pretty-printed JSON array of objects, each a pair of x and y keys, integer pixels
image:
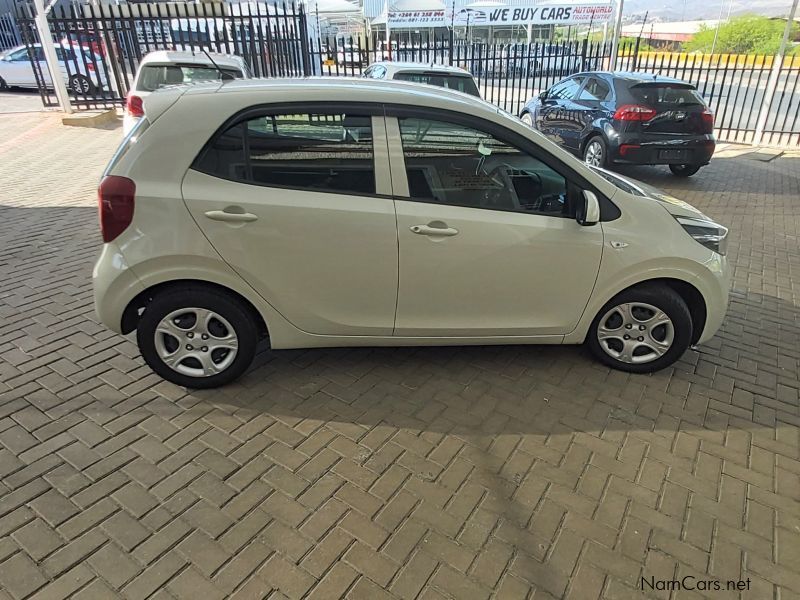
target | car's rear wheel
[
  {"x": 641, "y": 330},
  {"x": 80, "y": 84},
  {"x": 595, "y": 152},
  {"x": 197, "y": 337},
  {"x": 684, "y": 170},
  {"x": 526, "y": 118}
]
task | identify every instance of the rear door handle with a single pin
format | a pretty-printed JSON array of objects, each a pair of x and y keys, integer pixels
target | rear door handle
[
  {"x": 434, "y": 231},
  {"x": 230, "y": 217}
]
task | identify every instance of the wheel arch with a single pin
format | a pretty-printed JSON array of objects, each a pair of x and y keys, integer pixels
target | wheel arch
[
  {"x": 134, "y": 309},
  {"x": 693, "y": 298}
]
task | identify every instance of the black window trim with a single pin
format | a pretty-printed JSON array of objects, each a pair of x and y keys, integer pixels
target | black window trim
[
  {"x": 575, "y": 181},
  {"x": 262, "y": 110}
]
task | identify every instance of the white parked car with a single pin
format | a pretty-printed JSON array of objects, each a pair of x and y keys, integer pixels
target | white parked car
[
  {"x": 354, "y": 212},
  {"x": 167, "y": 67},
  {"x": 444, "y": 76},
  {"x": 83, "y": 70}
]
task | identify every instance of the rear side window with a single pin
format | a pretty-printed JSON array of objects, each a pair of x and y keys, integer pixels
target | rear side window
[
  {"x": 666, "y": 95},
  {"x": 595, "y": 90},
  {"x": 460, "y": 83},
  {"x": 307, "y": 151}
]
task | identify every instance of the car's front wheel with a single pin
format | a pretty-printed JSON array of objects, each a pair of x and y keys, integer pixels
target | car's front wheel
[
  {"x": 684, "y": 170},
  {"x": 526, "y": 118},
  {"x": 197, "y": 337},
  {"x": 642, "y": 329}
]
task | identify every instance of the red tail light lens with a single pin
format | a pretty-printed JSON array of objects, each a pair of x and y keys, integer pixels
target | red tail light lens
[
  {"x": 115, "y": 198},
  {"x": 707, "y": 117},
  {"x": 134, "y": 106},
  {"x": 89, "y": 67},
  {"x": 634, "y": 112}
]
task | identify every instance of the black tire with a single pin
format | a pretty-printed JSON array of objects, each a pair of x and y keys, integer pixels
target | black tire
[
  {"x": 603, "y": 148},
  {"x": 81, "y": 85},
  {"x": 225, "y": 305},
  {"x": 660, "y": 297},
  {"x": 684, "y": 170},
  {"x": 3, "y": 85}
]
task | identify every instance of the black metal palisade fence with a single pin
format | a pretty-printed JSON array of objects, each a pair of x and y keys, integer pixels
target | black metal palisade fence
[{"x": 274, "y": 41}]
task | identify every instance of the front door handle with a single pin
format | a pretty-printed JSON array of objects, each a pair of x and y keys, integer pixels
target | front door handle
[
  {"x": 434, "y": 231},
  {"x": 231, "y": 217}
]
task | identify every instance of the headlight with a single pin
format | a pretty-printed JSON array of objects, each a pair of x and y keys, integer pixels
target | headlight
[{"x": 712, "y": 235}]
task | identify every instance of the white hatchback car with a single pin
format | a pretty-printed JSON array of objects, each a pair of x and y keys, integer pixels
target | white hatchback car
[
  {"x": 353, "y": 212},
  {"x": 169, "y": 67},
  {"x": 452, "y": 78}
]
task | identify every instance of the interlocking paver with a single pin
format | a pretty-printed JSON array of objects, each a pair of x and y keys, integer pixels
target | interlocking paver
[{"x": 397, "y": 473}]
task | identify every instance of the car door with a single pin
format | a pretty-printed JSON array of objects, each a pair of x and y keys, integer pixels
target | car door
[
  {"x": 16, "y": 69},
  {"x": 552, "y": 117},
  {"x": 298, "y": 202},
  {"x": 594, "y": 101},
  {"x": 571, "y": 113},
  {"x": 488, "y": 243}
]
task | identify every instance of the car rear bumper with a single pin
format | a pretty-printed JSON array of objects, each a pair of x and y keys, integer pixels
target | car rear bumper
[{"x": 696, "y": 150}]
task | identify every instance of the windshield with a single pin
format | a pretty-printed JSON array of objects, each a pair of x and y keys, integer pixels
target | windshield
[
  {"x": 153, "y": 77},
  {"x": 624, "y": 184},
  {"x": 460, "y": 83}
]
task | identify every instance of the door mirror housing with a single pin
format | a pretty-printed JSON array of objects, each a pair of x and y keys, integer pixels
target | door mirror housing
[
  {"x": 543, "y": 96},
  {"x": 588, "y": 212}
]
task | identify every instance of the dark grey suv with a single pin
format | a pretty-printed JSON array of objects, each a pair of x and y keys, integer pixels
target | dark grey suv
[{"x": 627, "y": 118}]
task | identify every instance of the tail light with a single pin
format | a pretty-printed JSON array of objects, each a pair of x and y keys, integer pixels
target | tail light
[
  {"x": 89, "y": 67},
  {"x": 707, "y": 117},
  {"x": 634, "y": 112},
  {"x": 115, "y": 198},
  {"x": 134, "y": 106}
]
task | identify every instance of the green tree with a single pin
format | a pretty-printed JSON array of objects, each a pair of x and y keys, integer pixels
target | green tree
[{"x": 746, "y": 34}]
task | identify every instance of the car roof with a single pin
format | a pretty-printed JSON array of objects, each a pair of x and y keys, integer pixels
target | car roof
[
  {"x": 174, "y": 56},
  {"x": 346, "y": 89},
  {"x": 636, "y": 77},
  {"x": 398, "y": 66}
]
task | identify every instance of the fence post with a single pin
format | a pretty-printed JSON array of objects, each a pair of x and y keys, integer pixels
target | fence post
[
  {"x": 772, "y": 82},
  {"x": 615, "y": 39},
  {"x": 46, "y": 39},
  {"x": 583, "y": 53},
  {"x": 304, "y": 41},
  {"x": 636, "y": 54}
]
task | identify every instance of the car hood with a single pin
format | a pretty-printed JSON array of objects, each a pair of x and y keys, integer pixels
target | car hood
[{"x": 642, "y": 190}]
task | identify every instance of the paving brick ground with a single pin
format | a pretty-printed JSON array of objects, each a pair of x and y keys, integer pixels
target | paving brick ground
[{"x": 505, "y": 472}]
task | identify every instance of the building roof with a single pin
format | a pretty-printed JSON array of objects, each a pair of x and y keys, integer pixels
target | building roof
[{"x": 675, "y": 31}]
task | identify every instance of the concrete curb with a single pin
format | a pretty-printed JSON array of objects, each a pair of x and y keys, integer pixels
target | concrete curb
[{"x": 90, "y": 118}]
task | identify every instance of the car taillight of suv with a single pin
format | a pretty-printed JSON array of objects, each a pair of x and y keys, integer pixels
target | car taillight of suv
[
  {"x": 134, "y": 105},
  {"x": 115, "y": 198}
]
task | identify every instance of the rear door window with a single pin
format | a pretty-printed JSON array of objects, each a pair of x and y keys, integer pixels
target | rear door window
[
  {"x": 325, "y": 152},
  {"x": 595, "y": 90}
]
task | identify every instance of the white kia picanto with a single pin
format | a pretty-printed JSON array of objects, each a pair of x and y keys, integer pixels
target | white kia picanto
[{"x": 355, "y": 212}]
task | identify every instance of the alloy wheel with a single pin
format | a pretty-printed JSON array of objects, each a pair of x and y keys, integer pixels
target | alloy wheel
[
  {"x": 635, "y": 332},
  {"x": 196, "y": 342},
  {"x": 527, "y": 119},
  {"x": 594, "y": 154}
]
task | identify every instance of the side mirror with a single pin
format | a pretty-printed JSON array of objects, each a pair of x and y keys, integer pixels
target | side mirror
[
  {"x": 543, "y": 96},
  {"x": 588, "y": 212}
]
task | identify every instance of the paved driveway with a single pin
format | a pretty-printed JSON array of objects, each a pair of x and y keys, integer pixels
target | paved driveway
[{"x": 514, "y": 472}]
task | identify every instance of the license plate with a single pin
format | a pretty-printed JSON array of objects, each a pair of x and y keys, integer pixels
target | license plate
[{"x": 672, "y": 154}]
